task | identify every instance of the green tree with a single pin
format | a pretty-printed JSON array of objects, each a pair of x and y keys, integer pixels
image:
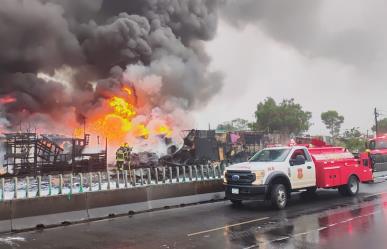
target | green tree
[
  {"x": 354, "y": 140},
  {"x": 285, "y": 117},
  {"x": 238, "y": 124},
  {"x": 332, "y": 121},
  {"x": 382, "y": 126}
]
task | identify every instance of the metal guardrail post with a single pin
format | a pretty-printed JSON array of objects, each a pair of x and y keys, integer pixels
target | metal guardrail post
[
  {"x": 90, "y": 181},
  {"x": 39, "y": 191},
  {"x": 49, "y": 185},
  {"x": 170, "y": 175},
  {"x": 177, "y": 174},
  {"x": 164, "y": 175},
  {"x": 126, "y": 178},
  {"x": 222, "y": 167},
  {"x": 133, "y": 178},
  {"x": 27, "y": 187},
  {"x": 156, "y": 176},
  {"x": 15, "y": 187},
  {"x": 118, "y": 179},
  {"x": 208, "y": 171},
  {"x": 184, "y": 174},
  {"x": 149, "y": 176},
  {"x": 141, "y": 177},
  {"x": 2, "y": 189},
  {"x": 108, "y": 180},
  {"x": 202, "y": 172},
  {"x": 60, "y": 191},
  {"x": 190, "y": 173},
  {"x": 196, "y": 172},
  {"x": 71, "y": 184},
  {"x": 99, "y": 181},
  {"x": 80, "y": 183},
  {"x": 213, "y": 171}
]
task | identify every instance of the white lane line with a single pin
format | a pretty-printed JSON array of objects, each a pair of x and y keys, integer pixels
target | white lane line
[
  {"x": 311, "y": 231},
  {"x": 381, "y": 193},
  {"x": 228, "y": 226}
]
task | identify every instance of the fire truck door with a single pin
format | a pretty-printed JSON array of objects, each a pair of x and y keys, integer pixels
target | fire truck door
[{"x": 303, "y": 175}]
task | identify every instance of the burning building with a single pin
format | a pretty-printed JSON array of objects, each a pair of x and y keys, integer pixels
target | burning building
[
  {"x": 29, "y": 154},
  {"x": 127, "y": 71}
]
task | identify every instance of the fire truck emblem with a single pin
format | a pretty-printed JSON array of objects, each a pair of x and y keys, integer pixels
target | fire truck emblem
[{"x": 300, "y": 174}]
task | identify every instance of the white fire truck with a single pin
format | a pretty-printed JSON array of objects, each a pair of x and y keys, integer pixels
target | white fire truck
[{"x": 273, "y": 173}]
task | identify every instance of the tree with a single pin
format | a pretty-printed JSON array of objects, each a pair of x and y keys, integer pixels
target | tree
[
  {"x": 286, "y": 117},
  {"x": 382, "y": 126},
  {"x": 354, "y": 140},
  {"x": 332, "y": 121},
  {"x": 238, "y": 124}
]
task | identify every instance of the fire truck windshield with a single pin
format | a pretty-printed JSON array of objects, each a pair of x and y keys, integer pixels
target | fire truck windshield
[
  {"x": 378, "y": 144},
  {"x": 270, "y": 155}
]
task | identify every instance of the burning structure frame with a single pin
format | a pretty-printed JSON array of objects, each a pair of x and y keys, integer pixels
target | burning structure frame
[{"x": 30, "y": 154}]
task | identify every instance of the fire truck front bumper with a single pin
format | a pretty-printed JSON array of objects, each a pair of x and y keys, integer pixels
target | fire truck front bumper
[{"x": 246, "y": 192}]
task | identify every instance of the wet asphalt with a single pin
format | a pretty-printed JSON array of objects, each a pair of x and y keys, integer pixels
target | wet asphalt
[{"x": 326, "y": 220}]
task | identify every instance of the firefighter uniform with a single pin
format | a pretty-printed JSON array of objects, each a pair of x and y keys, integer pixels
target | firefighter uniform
[{"x": 123, "y": 157}]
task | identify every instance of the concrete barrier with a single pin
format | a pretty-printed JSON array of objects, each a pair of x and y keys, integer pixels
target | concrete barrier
[
  {"x": 5, "y": 217},
  {"x": 53, "y": 210},
  {"x": 21, "y": 214}
]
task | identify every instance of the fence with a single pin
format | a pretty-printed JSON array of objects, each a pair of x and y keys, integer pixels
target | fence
[{"x": 51, "y": 185}]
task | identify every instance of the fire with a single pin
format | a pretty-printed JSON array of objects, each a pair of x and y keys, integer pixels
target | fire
[
  {"x": 141, "y": 131},
  {"x": 7, "y": 100},
  {"x": 115, "y": 121},
  {"x": 127, "y": 90},
  {"x": 122, "y": 108},
  {"x": 78, "y": 133},
  {"x": 163, "y": 130}
]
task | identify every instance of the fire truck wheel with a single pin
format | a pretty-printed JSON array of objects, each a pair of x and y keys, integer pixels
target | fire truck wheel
[
  {"x": 351, "y": 188},
  {"x": 279, "y": 197}
]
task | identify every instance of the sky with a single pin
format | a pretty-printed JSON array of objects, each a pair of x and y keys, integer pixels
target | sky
[{"x": 325, "y": 55}]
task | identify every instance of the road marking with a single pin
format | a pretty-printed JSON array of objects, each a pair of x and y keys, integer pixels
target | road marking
[
  {"x": 311, "y": 231},
  {"x": 228, "y": 226},
  {"x": 381, "y": 193}
]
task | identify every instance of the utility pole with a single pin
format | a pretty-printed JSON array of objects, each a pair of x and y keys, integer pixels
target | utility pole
[{"x": 376, "y": 114}]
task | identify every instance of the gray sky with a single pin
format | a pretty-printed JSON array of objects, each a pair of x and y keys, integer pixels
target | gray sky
[{"x": 325, "y": 55}]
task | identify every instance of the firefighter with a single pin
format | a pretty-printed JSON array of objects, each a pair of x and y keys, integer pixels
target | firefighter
[
  {"x": 120, "y": 158},
  {"x": 127, "y": 152}
]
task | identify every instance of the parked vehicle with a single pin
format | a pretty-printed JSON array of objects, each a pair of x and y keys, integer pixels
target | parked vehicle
[{"x": 273, "y": 173}]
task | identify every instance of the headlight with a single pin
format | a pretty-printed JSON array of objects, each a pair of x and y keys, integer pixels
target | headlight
[
  {"x": 259, "y": 175},
  {"x": 224, "y": 177}
]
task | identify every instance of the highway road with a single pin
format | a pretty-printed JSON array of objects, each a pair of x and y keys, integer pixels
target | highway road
[{"x": 326, "y": 220}]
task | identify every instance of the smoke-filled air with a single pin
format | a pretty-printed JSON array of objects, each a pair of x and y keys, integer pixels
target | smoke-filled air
[{"x": 130, "y": 71}]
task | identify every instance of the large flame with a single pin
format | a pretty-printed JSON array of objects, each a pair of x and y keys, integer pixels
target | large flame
[
  {"x": 7, "y": 100},
  {"x": 115, "y": 121}
]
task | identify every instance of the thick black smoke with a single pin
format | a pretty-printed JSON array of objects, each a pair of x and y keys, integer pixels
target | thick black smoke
[{"x": 97, "y": 40}]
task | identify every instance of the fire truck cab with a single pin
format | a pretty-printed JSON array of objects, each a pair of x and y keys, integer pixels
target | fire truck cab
[
  {"x": 376, "y": 154},
  {"x": 273, "y": 173}
]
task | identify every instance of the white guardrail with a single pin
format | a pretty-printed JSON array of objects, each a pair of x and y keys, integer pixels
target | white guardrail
[{"x": 68, "y": 184}]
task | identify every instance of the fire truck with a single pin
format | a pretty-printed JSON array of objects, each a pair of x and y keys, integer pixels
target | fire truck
[
  {"x": 273, "y": 173},
  {"x": 376, "y": 153}
]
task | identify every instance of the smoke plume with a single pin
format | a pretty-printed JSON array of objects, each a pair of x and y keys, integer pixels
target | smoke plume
[{"x": 60, "y": 59}]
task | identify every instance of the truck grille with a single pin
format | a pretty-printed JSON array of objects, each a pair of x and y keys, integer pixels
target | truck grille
[{"x": 240, "y": 177}]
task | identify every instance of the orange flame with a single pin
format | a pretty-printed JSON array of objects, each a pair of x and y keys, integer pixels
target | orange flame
[
  {"x": 122, "y": 108},
  {"x": 141, "y": 131},
  {"x": 163, "y": 130},
  {"x": 114, "y": 121},
  {"x": 127, "y": 90},
  {"x": 7, "y": 100},
  {"x": 78, "y": 133}
]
